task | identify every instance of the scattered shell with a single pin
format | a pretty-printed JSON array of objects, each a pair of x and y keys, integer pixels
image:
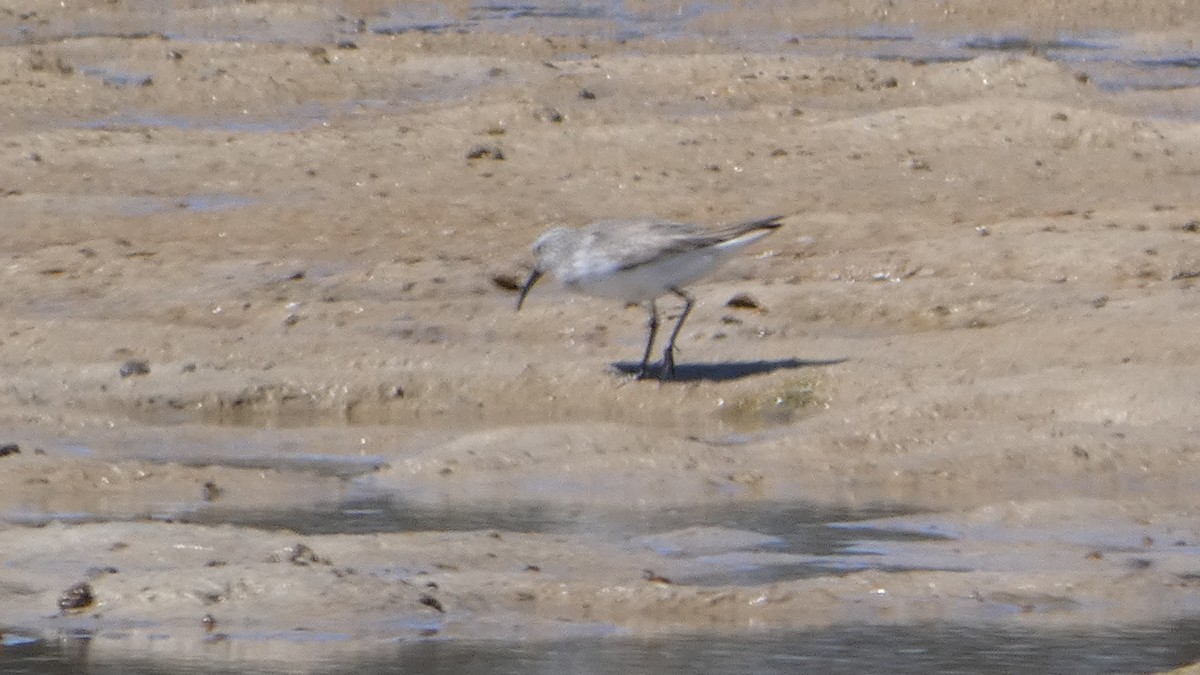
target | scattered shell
[{"x": 430, "y": 601}]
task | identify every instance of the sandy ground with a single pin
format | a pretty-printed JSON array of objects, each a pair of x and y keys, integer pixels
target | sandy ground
[{"x": 241, "y": 263}]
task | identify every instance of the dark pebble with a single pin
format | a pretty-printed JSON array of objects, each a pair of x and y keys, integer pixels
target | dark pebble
[
  {"x": 744, "y": 301},
  {"x": 485, "y": 152},
  {"x": 210, "y": 491},
  {"x": 134, "y": 367},
  {"x": 303, "y": 555},
  {"x": 548, "y": 114},
  {"x": 506, "y": 282},
  {"x": 653, "y": 578},
  {"x": 430, "y": 601},
  {"x": 76, "y": 597}
]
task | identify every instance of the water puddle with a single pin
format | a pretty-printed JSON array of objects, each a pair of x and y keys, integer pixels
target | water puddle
[
  {"x": 1114, "y": 62},
  {"x": 205, "y": 202},
  {"x": 137, "y": 206},
  {"x": 1111, "y": 61},
  {"x": 606, "y": 19},
  {"x": 297, "y": 119},
  {"x": 113, "y": 77},
  {"x": 301, "y": 117},
  {"x": 735, "y": 544},
  {"x": 927, "y": 648}
]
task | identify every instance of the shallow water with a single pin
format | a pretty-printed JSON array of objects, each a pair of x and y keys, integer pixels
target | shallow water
[
  {"x": 1113, "y": 62},
  {"x": 929, "y": 648},
  {"x": 739, "y": 544}
]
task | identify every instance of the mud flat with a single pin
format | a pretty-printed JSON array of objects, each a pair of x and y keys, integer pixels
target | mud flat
[{"x": 266, "y": 403}]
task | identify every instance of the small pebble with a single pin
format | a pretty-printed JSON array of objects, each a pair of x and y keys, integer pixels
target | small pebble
[
  {"x": 134, "y": 367},
  {"x": 548, "y": 114},
  {"x": 210, "y": 491},
  {"x": 506, "y": 282},
  {"x": 430, "y": 601},
  {"x": 485, "y": 152},
  {"x": 76, "y": 597},
  {"x": 653, "y": 578},
  {"x": 744, "y": 301}
]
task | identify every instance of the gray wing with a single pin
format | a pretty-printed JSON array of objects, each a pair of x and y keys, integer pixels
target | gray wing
[{"x": 636, "y": 242}]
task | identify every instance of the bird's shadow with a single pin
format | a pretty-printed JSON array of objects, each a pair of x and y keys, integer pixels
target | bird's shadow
[{"x": 723, "y": 371}]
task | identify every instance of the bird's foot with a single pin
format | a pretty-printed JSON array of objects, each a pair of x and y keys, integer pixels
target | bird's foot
[
  {"x": 667, "y": 370},
  {"x": 643, "y": 371}
]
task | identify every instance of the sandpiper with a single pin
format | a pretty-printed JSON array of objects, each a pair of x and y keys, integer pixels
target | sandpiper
[{"x": 638, "y": 261}]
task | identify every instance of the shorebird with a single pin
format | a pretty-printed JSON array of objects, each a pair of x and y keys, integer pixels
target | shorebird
[{"x": 639, "y": 261}]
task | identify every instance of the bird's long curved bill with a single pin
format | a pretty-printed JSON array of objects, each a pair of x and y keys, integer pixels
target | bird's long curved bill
[{"x": 533, "y": 277}]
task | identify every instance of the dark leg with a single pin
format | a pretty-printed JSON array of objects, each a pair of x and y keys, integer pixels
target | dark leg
[
  {"x": 668, "y": 367},
  {"x": 653, "y": 332}
]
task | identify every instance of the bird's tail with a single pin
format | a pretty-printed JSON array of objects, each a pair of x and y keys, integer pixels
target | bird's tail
[
  {"x": 738, "y": 235},
  {"x": 771, "y": 223}
]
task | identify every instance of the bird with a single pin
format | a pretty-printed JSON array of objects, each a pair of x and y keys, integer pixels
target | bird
[{"x": 639, "y": 260}]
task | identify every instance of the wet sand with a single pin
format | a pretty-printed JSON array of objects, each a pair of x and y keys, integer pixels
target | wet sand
[{"x": 259, "y": 268}]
